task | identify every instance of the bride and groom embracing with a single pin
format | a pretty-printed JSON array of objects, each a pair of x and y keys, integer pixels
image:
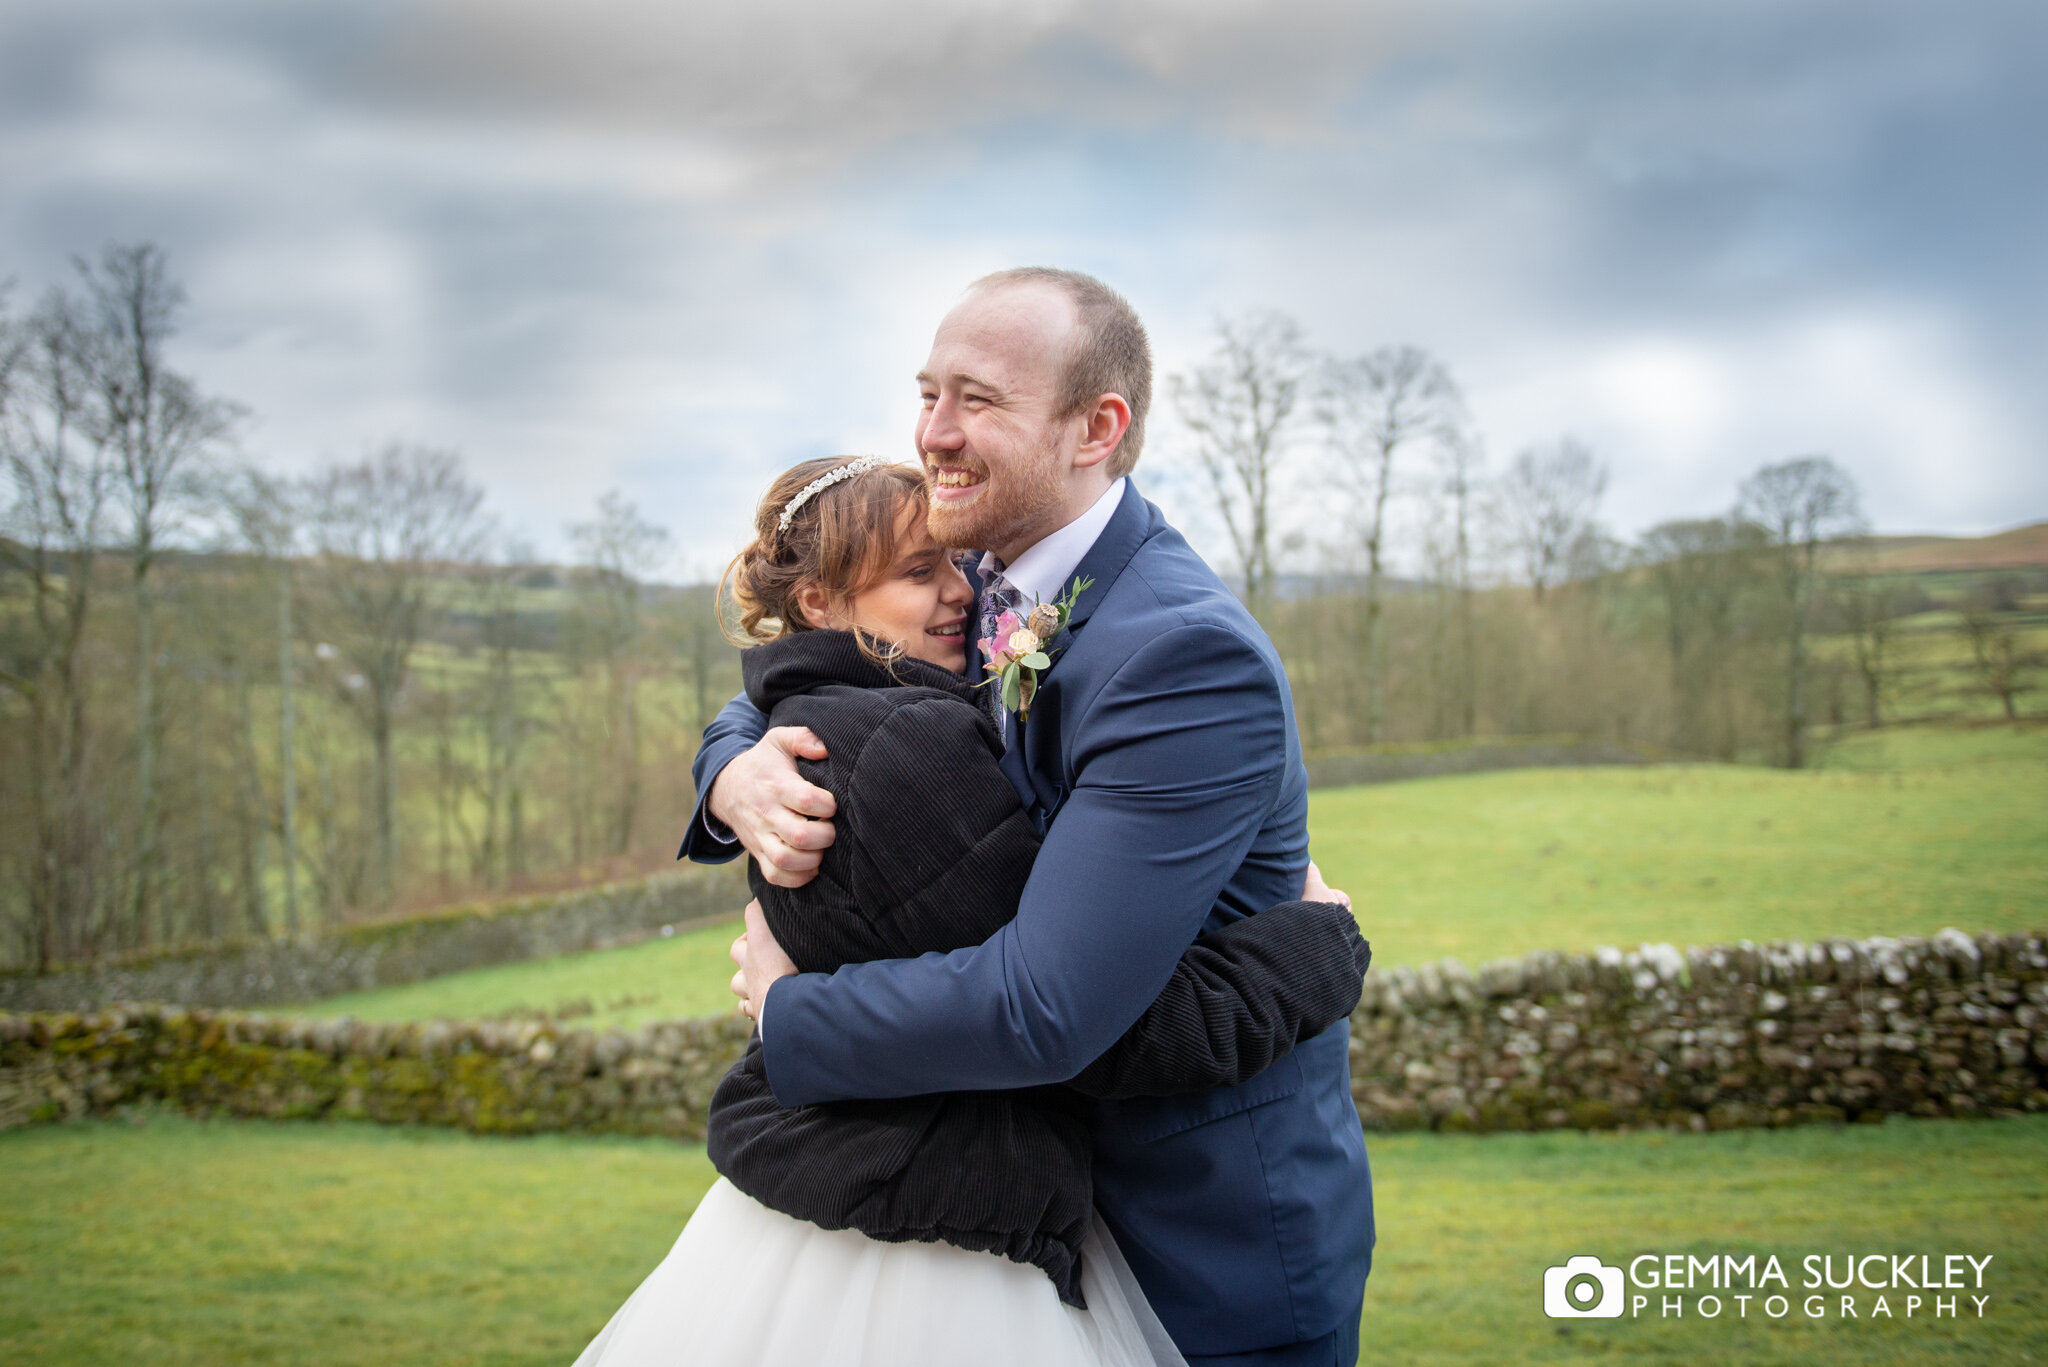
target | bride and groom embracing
[{"x": 1050, "y": 1062}]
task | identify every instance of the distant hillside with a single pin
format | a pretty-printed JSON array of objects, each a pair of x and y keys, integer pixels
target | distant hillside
[{"x": 2021, "y": 548}]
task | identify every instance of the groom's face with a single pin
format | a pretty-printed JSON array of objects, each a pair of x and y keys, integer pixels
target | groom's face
[{"x": 996, "y": 455}]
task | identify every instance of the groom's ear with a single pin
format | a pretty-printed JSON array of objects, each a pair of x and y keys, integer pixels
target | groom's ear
[{"x": 1104, "y": 423}]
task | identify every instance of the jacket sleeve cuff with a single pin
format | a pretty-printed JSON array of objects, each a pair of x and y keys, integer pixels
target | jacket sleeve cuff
[{"x": 707, "y": 840}]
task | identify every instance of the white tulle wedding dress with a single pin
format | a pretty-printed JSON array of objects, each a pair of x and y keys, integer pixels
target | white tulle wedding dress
[{"x": 746, "y": 1285}]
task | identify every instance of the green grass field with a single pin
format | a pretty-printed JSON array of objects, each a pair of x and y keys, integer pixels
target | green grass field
[
  {"x": 683, "y": 975},
  {"x": 1931, "y": 674},
  {"x": 1898, "y": 832},
  {"x": 175, "y": 1241},
  {"x": 181, "y": 1242}
]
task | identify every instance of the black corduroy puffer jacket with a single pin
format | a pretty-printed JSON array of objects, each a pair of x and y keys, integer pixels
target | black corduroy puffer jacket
[{"x": 932, "y": 850}]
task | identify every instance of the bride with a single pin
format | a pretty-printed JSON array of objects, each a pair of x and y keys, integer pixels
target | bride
[{"x": 957, "y": 1227}]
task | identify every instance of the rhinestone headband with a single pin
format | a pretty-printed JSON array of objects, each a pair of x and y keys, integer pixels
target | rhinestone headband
[{"x": 859, "y": 466}]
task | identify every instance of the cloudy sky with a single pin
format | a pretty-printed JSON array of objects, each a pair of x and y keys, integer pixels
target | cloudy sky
[{"x": 670, "y": 248}]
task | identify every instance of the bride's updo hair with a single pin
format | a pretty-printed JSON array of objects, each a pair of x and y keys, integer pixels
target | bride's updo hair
[{"x": 841, "y": 538}]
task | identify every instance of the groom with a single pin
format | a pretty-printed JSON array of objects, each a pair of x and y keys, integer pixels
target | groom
[{"x": 1161, "y": 764}]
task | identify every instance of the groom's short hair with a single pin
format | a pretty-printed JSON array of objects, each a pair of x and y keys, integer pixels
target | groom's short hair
[{"x": 1109, "y": 355}]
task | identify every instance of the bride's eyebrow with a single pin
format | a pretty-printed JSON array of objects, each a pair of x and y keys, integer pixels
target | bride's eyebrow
[{"x": 916, "y": 558}]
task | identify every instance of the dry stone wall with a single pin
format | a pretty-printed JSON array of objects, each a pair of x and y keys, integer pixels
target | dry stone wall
[
  {"x": 1727, "y": 1036},
  {"x": 487, "y": 1077},
  {"x": 273, "y": 972},
  {"x": 1732, "y": 1035}
]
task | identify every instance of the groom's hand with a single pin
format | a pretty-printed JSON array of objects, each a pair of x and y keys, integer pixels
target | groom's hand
[
  {"x": 782, "y": 821},
  {"x": 761, "y": 961}
]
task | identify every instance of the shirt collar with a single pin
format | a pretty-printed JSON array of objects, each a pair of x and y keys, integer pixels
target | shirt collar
[{"x": 1041, "y": 573}]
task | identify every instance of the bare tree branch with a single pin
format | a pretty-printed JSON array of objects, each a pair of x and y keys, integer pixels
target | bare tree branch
[
  {"x": 1373, "y": 411},
  {"x": 1799, "y": 504},
  {"x": 383, "y": 524},
  {"x": 1546, "y": 504},
  {"x": 1239, "y": 407}
]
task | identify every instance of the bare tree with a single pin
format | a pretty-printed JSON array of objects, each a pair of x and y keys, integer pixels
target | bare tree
[
  {"x": 1799, "y": 504},
  {"x": 1546, "y": 503},
  {"x": 1374, "y": 410},
  {"x": 1995, "y": 653},
  {"x": 1870, "y": 603},
  {"x": 14, "y": 349},
  {"x": 339, "y": 863},
  {"x": 159, "y": 426},
  {"x": 1464, "y": 463},
  {"x": 617, "y": 550},
  {"x": 383, "y": 527},
  {"x": 705, "y": 646},
  {"x": 505, "y": 697},
  {"x": 267, "y": 517},
  {"x": 1239, "y": 407},
  {"x": 62, "y": 476},
  {"x": 1699, "y": 569},
  {"x": 223, "y": 643}
]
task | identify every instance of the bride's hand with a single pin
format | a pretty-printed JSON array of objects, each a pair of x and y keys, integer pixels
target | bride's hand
[
  {"x": 1314, "y": 889},
  {"x": 761, "y": 961}
]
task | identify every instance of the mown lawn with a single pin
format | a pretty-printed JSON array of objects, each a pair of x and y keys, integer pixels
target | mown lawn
[
  {"x": 1900, "y": 832},
  {"x": 179, "y": 1242}
]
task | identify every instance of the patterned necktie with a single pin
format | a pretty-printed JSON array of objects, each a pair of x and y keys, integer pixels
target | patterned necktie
[{"x": 997, "y": 597}]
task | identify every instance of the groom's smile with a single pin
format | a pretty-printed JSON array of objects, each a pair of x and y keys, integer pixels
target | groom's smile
[
  {"x": 995, "y": 449},
  {"x": 955, "y": 481}
]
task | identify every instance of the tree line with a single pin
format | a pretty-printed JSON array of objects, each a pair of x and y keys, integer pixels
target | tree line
[
  {"x": 1520, "y": 613},
  {"x": 234, "y": 703},
  {"x": 237, "y": 703}
]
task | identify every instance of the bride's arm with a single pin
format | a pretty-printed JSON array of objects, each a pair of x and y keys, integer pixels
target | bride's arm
[{"x": 1239, "y": 1000}]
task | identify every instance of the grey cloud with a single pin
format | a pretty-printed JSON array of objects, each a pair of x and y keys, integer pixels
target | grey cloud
[{"x": 676, "y": 245}]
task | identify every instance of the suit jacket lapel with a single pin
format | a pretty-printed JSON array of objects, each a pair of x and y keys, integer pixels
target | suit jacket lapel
[
  {"x": 1019, "y": 774},
  {"x": 975, "y": 673},
  {"x": 1040, "y": 785}
]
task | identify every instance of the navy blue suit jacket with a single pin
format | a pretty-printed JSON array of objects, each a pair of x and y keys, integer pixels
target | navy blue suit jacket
[{"x": 1163, "y": 768}]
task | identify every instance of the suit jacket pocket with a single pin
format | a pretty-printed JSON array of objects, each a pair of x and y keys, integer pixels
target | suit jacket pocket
[{"x": 1152, "y": 1118}]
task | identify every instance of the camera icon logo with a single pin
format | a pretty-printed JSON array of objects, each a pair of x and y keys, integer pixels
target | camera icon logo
[{"x": 1584, "y": 1288}]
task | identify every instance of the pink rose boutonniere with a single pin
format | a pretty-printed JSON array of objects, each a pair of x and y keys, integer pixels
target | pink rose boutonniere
[{"x": 1016, "y": 655}]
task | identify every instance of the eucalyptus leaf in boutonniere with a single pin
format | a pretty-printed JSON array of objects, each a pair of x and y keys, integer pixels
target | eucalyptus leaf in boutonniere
[{"x": 1017, "y": 654}]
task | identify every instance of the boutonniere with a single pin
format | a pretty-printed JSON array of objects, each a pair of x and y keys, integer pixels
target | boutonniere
[{"x": 1016, "y": 655}]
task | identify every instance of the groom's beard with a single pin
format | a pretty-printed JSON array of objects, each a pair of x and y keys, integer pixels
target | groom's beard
[{"x": 1019, "y": 503}]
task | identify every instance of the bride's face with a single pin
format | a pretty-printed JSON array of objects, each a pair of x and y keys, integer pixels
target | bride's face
[{"x": 919, "y": 603}]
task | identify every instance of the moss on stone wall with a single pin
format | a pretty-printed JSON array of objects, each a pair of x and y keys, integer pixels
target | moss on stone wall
[
  {"x": 1728, "y": 1036},
  {"x": 1713, "y": 1038},
  {"x": 484, "y": 1077}
]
